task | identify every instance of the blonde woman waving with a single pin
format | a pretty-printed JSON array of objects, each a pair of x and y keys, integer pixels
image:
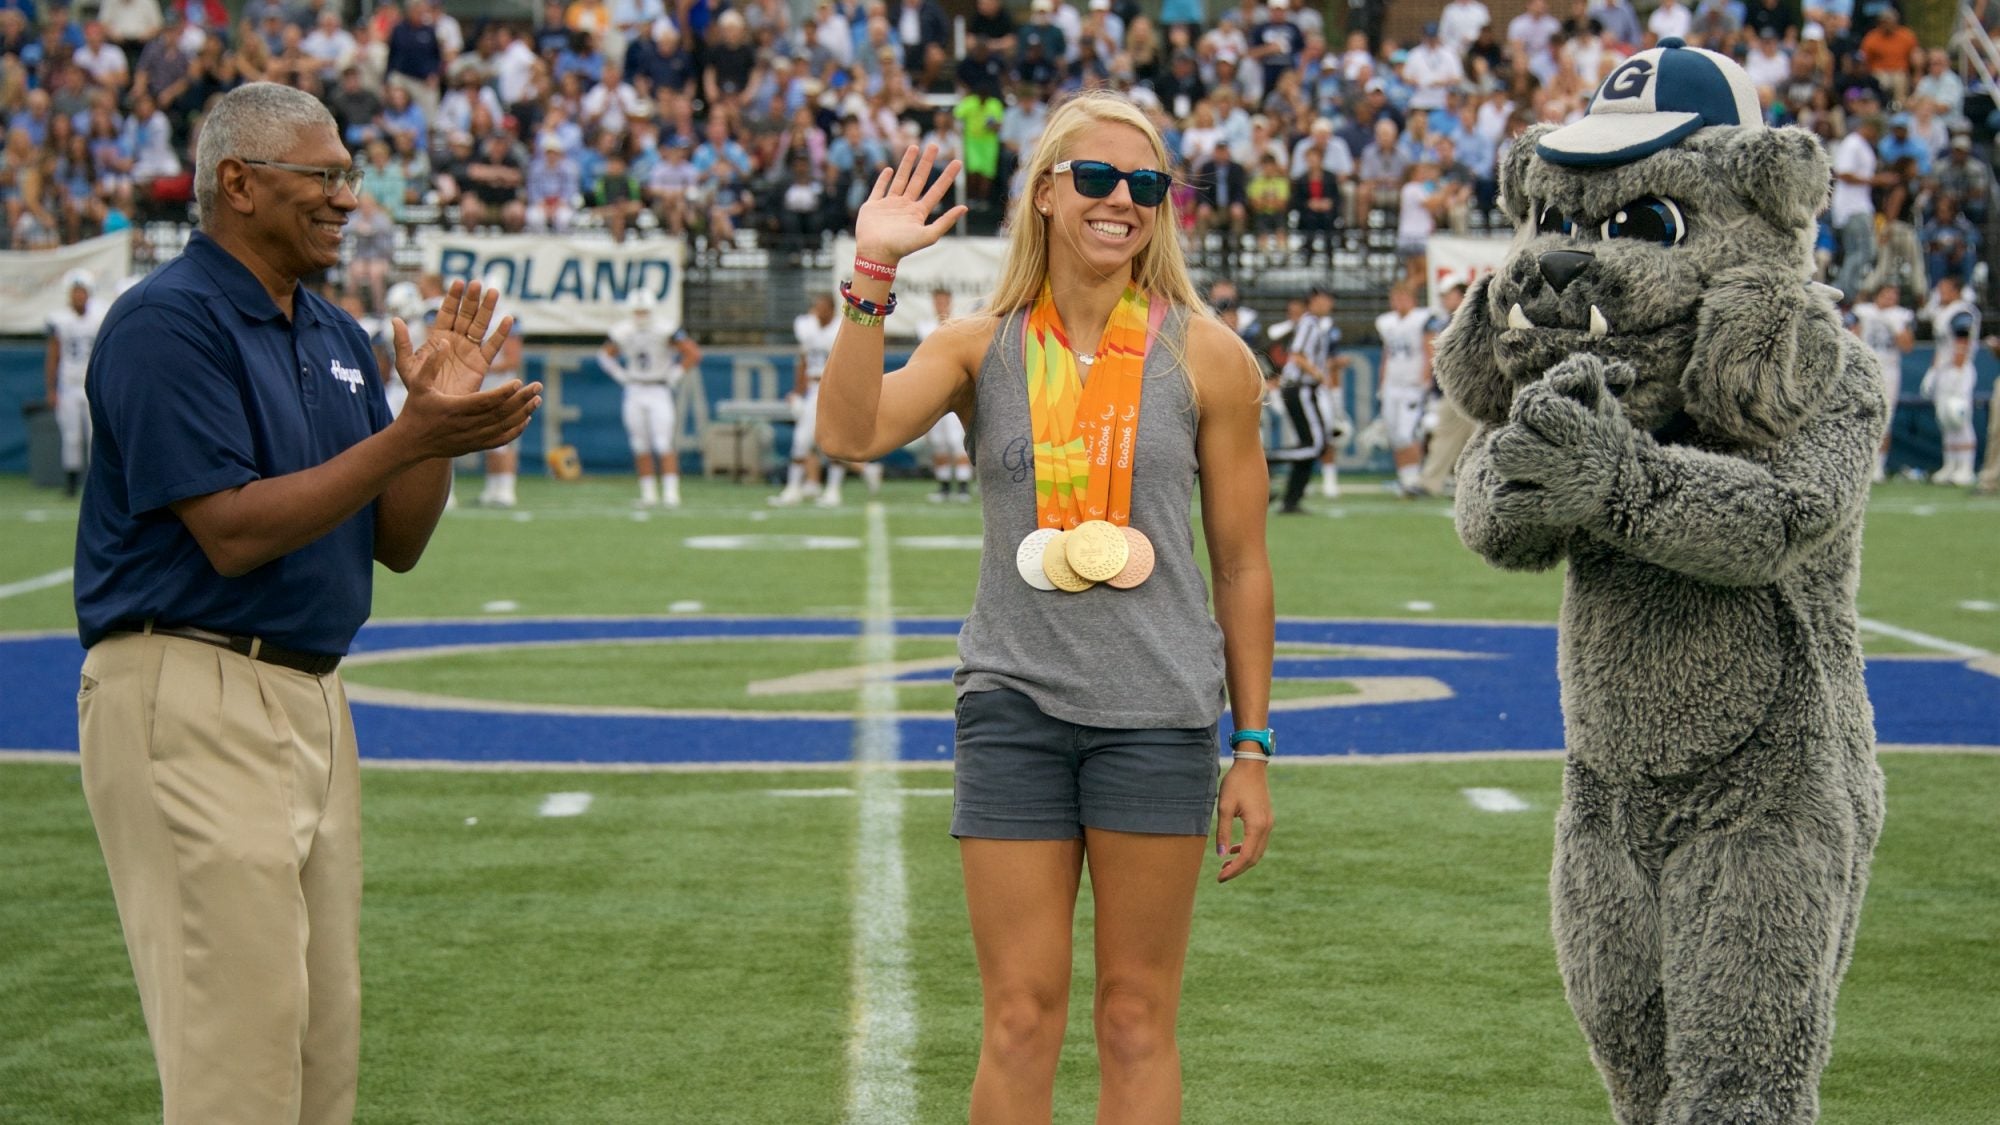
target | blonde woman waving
[{"x": 1094, "y": 388}]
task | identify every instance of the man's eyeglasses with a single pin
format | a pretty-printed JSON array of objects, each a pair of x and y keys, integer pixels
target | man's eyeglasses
[
  {"x": 331, "y": 179},
  {"x": 1095, "y": 179}
]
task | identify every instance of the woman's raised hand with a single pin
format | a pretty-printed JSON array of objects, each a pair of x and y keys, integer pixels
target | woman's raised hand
[{"x": 891, "y": 224}]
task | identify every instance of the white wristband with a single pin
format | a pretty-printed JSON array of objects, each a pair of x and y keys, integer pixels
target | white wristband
[{"x": 1249, "y": 756}]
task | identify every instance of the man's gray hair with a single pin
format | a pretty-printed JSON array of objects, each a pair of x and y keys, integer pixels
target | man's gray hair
[{"x": 256, "y": 121}]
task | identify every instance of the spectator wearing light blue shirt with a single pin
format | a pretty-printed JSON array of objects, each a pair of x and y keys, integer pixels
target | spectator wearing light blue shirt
[
  {"x": 1181, "y": 11},
  {"x": 383, "y": 179},
  {"x": 1232, "y": 119},
  {"x": 1022, "y": 123},
  {"x": 634, "y": 18},
  {"x": 1899, "y": 143},
  {"x": 553, "y": 186},
  {"x": 1820, "y": 11},
  {"x": 588, "y": 62},
  {"x": 402, "y": 115},
  {"x": 558, "y": 128},
  {"x": 1335, "y": 157},
  {"x": 1618, "y": 19},
  {"x": 1941, "y": 86},
  {"x": 721, "y": 149},
  {"x": 854, "y": 153}
]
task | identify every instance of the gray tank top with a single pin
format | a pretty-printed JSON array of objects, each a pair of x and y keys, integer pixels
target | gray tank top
[{"x": 1125, "y": 659}]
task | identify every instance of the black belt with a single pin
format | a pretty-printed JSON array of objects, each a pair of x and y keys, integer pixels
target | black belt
[{"x": 316, "y": 663}]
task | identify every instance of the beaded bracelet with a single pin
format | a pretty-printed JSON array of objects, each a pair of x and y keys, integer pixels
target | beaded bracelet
[
  {"x": 865, "y": 320},
  {"x": 862, "y": 304}
]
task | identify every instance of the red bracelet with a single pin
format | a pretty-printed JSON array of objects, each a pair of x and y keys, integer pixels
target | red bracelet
[{"x": 876, "y": 270}]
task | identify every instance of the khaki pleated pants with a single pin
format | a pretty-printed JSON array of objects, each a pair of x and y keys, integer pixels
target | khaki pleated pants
[
  {"x": 1454, "y": 429},
  {"x": 226, "y": 795}
]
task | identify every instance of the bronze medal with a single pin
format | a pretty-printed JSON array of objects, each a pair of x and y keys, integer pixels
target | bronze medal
[{"x": 1138, "y": 560}]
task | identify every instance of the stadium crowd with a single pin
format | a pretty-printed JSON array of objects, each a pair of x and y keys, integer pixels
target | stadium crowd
[{"x": 705, "y": 117}]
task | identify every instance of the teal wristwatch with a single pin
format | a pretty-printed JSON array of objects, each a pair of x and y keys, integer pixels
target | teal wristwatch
[{"x": 1266, "y": 738}]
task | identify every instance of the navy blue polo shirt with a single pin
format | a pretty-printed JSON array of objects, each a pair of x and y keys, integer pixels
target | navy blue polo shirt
[{"x": 198, "y": 384}]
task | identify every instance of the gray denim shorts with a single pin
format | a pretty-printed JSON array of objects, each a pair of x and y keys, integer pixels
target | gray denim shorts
[{"x": 1022, "y": 775}]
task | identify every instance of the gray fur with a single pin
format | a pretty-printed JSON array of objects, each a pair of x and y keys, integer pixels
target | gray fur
[{"x": 1703, "y": 470}]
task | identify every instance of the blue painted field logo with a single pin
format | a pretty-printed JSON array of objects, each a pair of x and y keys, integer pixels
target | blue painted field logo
[
  {"x": 350, "y": 375},
  {"x": 1342, "y": 688}
]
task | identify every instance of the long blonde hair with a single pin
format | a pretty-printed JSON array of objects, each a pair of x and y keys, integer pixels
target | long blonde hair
[{"x": 1159, "y": 268}]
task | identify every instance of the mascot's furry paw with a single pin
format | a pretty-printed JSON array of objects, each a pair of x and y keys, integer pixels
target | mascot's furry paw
[{"x": 1566, "y": 438}]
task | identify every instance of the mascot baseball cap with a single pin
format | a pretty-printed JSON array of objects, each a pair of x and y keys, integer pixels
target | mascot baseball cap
[{"x": 1651, "y": 101}]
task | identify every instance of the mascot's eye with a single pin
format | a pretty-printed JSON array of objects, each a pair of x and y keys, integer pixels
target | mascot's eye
[
  {"x": 1553, "y": 221},
  {"x": 1651, "y": 219}
]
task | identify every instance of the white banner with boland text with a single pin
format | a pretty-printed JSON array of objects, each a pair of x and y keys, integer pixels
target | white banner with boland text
[
  {"x": 968, "y": 267},
  {"x": 1461, "y": 261},
  {"x": 559, "y": 285},
  {"x": 31, "y": 280}
]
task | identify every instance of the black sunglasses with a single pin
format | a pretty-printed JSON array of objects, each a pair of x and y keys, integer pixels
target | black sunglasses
[{"x": 1095, "y": 180}]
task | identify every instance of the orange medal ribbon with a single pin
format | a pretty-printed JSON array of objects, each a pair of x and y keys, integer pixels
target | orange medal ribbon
[{"x": 1086, "y": 434}]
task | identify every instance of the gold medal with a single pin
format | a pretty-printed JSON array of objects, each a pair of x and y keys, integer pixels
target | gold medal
[
  {"x": 1138, "y": 560},
  {"x": 1096, "y": 549},
  {"x": 1055, "y": 564}
]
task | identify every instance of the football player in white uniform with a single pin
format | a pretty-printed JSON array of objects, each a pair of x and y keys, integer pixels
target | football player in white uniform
[
  {"x": 649, "y": 355},
  {"x": 1453, "y": 428},
  {"x": 503, "y": 463},
  {"x": 72, "y": 334},
  {"x": 1407, "y": 332},
  {"x": 949, "y": 461},
  {"x": 815, "y": 332},
  {"x": 1947, "y": 308},
  {"x": 1948, "y": 384},
  {"x": 404, "y": 300},
  {"x": 1887, "y": 328},
  {"x": 1330, "y": 374},
  {"x": 1951, "y": 315}
]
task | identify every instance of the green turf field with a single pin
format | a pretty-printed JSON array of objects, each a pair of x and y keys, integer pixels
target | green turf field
[
  {"x": 682, "y": 952},
  {"x": 581, "y": 549}
]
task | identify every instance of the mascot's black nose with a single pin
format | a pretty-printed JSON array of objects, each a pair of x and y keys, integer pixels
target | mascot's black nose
[{"x": 1561, "y": 267}]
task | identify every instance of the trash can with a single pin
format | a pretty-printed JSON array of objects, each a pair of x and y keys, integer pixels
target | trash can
[{"x": 44, "y": 445}]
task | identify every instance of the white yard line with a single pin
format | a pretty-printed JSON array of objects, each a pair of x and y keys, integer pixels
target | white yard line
[
  {"x": 843, "y": 791},
  {"x": 1495, "y": 800},
  {"x": 881, "y": 1087},
  {"x": 25, "y": 756},
  {"x": 1921, "y": 640},
  {"x": 565, "y": 804},
  {"x": 39, "y": 582}
]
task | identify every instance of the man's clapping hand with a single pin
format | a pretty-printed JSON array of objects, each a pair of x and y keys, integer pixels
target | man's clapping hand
[{"x": 447, "y": 415}]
